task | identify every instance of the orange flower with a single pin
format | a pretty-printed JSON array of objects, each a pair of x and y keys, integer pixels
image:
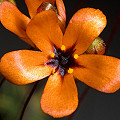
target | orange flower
[
  {"x": 62, "y": 59},
  {"x": 13, "y": 20}
]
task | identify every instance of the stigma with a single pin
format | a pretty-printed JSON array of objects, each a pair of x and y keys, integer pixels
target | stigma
[{"x": 63, "y": 60}]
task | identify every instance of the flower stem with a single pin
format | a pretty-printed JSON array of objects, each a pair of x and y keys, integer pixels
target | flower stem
[
  {"x": 80, "y": 100},
  {"x": 2, "y": 81},
  {"x": 113, "y": 32},
  {"x": 28, "y": 99}
]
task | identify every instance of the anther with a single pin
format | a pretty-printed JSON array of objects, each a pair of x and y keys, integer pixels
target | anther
[
  {"x": 52, "y": 55},
  {"x": 76, "y": 56},
  {"x": 53, "y": 71},
  {"x": 70, "y": 70},
  {"x": 62, "y": 47}
]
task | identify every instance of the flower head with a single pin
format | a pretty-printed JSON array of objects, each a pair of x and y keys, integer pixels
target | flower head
[{"x": 62, "y": 59}]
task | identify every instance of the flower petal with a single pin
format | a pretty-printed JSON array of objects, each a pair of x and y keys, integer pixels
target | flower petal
[
  {"x": 60, "y": 96},
  {"x": 24, "y": 66},
  {"x": 61, "y": 11},
  {"x": 33, "y": 5},
  {"x": 99, "y": 72},
  {"x": 44, "y": 31},
  {"x": 13, "y": 20},
  {"x": 84, "y": 27}
]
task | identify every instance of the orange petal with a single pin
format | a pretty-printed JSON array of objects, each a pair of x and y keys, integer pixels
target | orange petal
[
  {"x": 13, "y": 20},
  {"x": 99, "y": 72},
  {"x": 33, "y": 5},
  {"x": 24, "y": 66},
  {"x": 60, "y": 97},
  {"x": 84, "y": 27},
  {"x": 44, "y": 30},
  {"x": 61, "y": 11}
]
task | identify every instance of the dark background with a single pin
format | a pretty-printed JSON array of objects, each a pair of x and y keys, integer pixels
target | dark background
[{"x": 96, "y": 105}]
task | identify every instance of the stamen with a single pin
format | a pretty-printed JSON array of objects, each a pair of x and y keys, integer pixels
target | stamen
[
  {"x": 62, "y": 47},
  {"x": 62, "y": 61},
  {"x": 53, "y": 71},
  {"x": 52, "y": 55},
  {"x": 70, "y": 70},
  {"x": 76, "y": 56}
]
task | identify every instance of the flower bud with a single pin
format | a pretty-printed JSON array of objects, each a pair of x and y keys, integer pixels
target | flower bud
[
  {"x": 46, "y": 6},
  {"x": 12, "y": 1},
  {"x": 97, "y": 47}
]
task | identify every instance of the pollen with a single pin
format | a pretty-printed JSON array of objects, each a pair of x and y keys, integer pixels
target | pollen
[
  {"x": 62, "y": 47},
  {"x": 70, "y": 70},
  {"x": 53, "y": 71},
  {"x": 52, "y": 55},
  {"x": 76, "y": 56}
]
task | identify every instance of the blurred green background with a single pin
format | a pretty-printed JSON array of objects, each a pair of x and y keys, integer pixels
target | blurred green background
[{"x": 96, "y": 105}]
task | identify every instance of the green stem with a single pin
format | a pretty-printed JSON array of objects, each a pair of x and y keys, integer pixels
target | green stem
[
  {"x": 2, "y": 81},
  {"x": 28, "y": 99}
]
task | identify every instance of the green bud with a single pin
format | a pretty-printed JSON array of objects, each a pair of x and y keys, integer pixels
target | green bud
[
  {"x": 97, "y": 47},
  {"x": 12, "y": 1}
]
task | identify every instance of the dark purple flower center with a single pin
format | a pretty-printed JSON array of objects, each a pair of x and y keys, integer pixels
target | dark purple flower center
[{"x": 63, "y": 60}]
